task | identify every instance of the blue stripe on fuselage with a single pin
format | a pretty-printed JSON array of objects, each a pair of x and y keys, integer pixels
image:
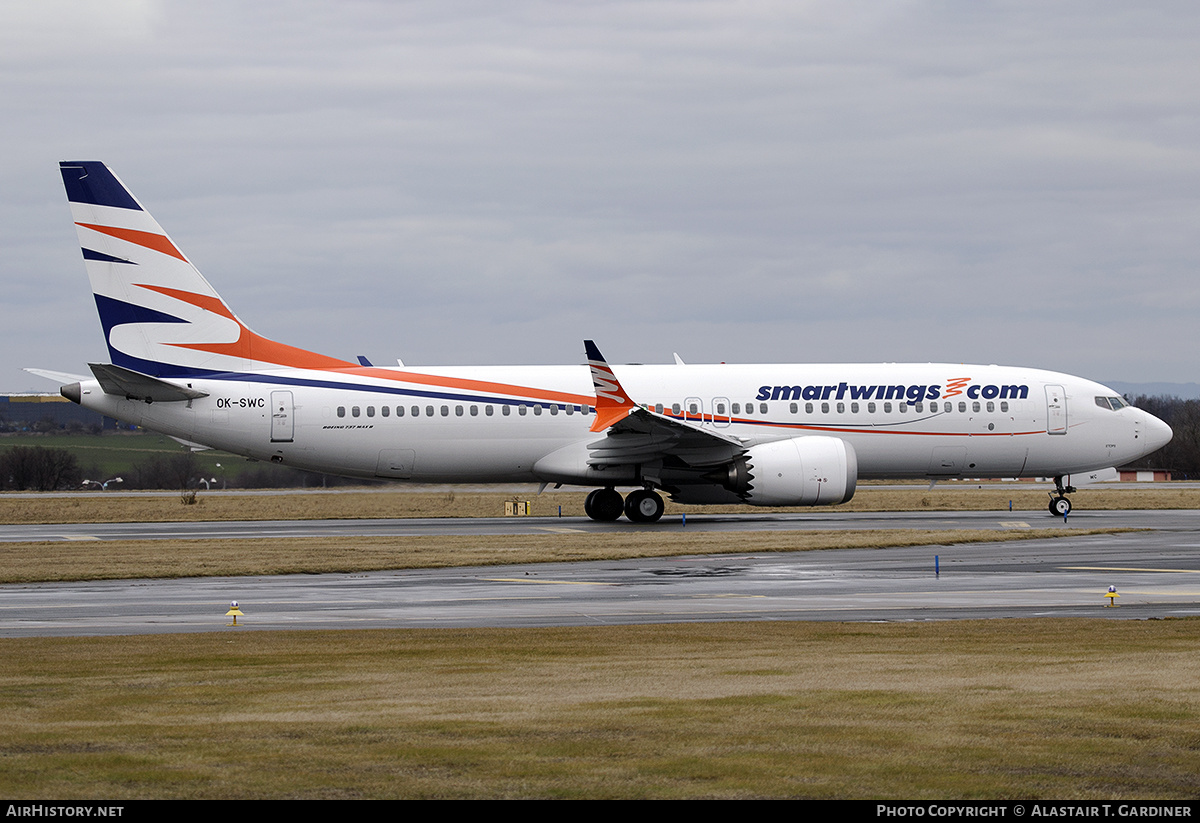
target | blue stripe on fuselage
[{"x": 282, "y": 380}]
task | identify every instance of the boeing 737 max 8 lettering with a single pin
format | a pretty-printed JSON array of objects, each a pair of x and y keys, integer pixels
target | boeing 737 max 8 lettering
[{"x": 770, "y": 435}]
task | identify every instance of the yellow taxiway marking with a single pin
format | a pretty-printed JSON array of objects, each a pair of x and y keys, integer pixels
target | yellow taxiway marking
[
  {"x": 1129, "y": 569},
  {"x": 534, "y": 580}
]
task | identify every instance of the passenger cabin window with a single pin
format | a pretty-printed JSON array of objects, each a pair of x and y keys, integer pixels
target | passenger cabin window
[
  {"x": 506, "y": 410},
  {"x": 354, "y": 411},
  {"x": 762, "y": 408},
  {"x": 808, "y": 408},
  {"x": 458, "y": 411},
  {"x": 735, "y": 408},
  {"x": 341, "y": 411},
  {"x": 370, "y": 411},
  {"x": 399, "y": 411},
  {"x": 429, "y": 411},
  {"x": 385, "y": 410}
]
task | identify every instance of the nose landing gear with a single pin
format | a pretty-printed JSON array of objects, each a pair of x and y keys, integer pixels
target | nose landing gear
[{"x": 1060, "y": 506}]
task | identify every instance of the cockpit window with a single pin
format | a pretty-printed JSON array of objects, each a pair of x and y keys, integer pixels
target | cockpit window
[{"x": 1113, "y": 403}]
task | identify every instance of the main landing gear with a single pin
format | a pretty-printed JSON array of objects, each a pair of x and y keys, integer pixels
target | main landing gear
[
  {"x": 1060, "y": 506},
  {"x": 641, "y": 506}
]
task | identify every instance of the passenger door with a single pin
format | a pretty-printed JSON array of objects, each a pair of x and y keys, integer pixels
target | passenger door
[
  {"x": 1056, "y": 410},
  {"x": 281, "y": 417}
]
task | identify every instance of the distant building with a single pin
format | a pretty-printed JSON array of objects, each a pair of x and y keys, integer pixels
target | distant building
[
  {"x": 33, "y": 411},
  {"x": 1144, "y": 475}
]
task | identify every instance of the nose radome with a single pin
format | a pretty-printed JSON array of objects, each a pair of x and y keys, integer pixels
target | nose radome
[{"x": 1158, "y": 433}]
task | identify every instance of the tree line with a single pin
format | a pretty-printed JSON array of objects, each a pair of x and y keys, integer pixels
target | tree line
[
  {"x": 41, "y": 468},
  {"x": 1182, "y": 455}
]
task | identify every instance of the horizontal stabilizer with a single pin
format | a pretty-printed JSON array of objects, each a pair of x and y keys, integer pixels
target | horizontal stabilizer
[
  {"x": 137, "y": 386},
  {"x": 61, "y": 377}
]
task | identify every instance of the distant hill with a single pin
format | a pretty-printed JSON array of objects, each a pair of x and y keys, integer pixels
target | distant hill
[{"x": 1186, "y": 391}]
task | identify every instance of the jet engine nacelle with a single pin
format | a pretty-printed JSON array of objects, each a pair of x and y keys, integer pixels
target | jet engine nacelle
[{"x": 801, "y": 471}]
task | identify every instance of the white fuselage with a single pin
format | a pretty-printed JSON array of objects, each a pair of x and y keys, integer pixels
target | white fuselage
[
  {"x": 505, "y": 424},
  {"x": 182, "y": 363}
]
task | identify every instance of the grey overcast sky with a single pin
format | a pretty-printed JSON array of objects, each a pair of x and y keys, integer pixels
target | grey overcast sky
[{"x": 491, "y": 182}]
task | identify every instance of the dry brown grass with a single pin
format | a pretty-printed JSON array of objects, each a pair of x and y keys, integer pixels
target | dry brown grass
[
  {"x": 399, "y": 503},
  {"x": 992, "y": 709}
]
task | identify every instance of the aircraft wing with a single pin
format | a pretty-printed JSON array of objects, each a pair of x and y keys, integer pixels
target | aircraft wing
[
  {"x": 634, "y": 434},
  {"x": 644, "y": 436}
]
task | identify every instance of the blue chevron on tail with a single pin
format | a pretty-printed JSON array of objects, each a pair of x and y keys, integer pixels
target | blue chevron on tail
[{"x": 160, "y": 316}]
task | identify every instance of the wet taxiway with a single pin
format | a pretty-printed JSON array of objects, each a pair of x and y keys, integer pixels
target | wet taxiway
[{"x": 1156, "y": 572}]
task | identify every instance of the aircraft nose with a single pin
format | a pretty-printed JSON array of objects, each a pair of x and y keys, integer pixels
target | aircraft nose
[{"x": 1158, "y": 433}]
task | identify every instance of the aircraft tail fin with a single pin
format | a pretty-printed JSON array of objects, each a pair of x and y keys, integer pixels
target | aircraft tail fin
[{"x": 160, "y": 316}]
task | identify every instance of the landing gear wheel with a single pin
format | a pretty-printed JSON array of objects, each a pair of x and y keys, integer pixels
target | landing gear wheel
[
  {"x": 643, "y": 506},
  {"x": 1060, "y": 506},
  {"x": 604, "y": 505}
]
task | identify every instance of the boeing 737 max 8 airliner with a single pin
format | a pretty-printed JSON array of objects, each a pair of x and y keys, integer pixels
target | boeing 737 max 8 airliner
[{"x": 770, "y": 435}]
